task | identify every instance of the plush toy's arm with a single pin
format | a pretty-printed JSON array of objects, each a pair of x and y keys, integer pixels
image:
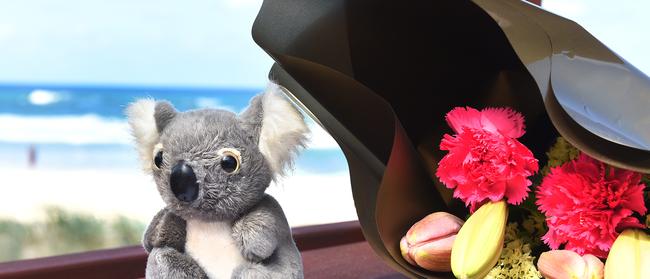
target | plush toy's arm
[
  {"x": 165, "y": 230},
  {"x": 259, "y": 232},
  {"x": 164, "y": 240},
  {"x": 166, "y": 262}
]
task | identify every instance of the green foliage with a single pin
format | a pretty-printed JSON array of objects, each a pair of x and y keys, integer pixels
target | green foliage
[
  {"x": 64, "y": 232},
  {"x": 561, "y": 152},
  {"x": 13, "y": 236},
  {"x": 127, "y": 231},
  {"x": 70, "y": 232}
]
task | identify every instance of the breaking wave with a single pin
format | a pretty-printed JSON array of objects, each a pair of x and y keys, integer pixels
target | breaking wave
[{"x": 93, "y": 129}]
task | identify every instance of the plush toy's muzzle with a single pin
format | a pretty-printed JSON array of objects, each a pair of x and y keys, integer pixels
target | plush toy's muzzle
[{"x": 183, "y": 182}]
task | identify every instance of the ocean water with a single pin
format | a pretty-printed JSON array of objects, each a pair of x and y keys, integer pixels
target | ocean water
[{"x": 85, "y": 127}]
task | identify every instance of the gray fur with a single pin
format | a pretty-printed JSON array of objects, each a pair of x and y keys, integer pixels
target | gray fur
[
  {"x": 260, "y": 228},
  {"x": 165, "y": 230},
  {"x": 264, "y": 236},
  {"x": 166, "y": 262},
  {"x": 252, "y": 118},
  {"x": 163, "y": 113},
  {"x": 285, "y": 148},
  {"x": 195, "y": 137}
]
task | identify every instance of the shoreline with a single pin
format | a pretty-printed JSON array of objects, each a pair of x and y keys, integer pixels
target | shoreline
[{"x": 306, "y": 198}]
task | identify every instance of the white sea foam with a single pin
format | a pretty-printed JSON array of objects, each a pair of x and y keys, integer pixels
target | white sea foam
[
  {"x": 210, "y": 102},
  {"x": 83, "y": 129},
  {"x": 93, "y": 129},
  {"x": 41, "y": 97}
]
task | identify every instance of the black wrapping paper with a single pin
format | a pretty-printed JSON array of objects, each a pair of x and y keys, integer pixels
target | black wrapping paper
[{"x": 380, "y": 76}]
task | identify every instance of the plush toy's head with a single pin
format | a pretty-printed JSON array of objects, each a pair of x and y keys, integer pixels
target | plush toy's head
[{"x": 213, "y": 164}]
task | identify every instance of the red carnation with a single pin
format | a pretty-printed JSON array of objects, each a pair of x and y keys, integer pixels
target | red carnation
[
  {"x": 587, "y": 204},
  {"x": 485, "y": 161}
]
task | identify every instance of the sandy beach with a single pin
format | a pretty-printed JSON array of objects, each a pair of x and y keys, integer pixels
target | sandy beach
[{"x": 306, "y": 198}]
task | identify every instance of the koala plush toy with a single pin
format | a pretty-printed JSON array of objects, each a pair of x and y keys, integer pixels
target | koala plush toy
[{"x": 212, "y": 168}]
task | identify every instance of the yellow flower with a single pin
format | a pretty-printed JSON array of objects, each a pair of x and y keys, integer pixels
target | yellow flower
[{"x": 515, "y": 260}]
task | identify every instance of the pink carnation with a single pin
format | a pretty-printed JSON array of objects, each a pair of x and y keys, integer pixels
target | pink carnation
[
  {"x": 485, "y": 161},
  {"x": 587, "y": 204}
]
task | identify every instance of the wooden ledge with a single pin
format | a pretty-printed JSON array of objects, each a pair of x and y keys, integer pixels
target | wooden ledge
[{"x": 129, "y": 262}]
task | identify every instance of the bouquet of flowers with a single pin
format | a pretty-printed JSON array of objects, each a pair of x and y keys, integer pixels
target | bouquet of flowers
[{"x": 576, "y": 218}]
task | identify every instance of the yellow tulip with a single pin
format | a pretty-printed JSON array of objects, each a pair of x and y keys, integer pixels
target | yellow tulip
[
  {"x": 629, "y": 257},
  {"x": 479, "y": 242}
]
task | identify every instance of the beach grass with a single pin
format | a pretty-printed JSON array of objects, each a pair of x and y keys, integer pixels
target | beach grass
[
  {"x": 65, "y": 232},
  {"x": 52, "y": 212}
]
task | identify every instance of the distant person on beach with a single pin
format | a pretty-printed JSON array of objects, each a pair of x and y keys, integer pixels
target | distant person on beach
[{"x": 31, "y": 156}]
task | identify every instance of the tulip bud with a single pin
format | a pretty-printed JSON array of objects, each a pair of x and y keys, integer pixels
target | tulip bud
[
  {"x": 629, "y": 256},
  {"x": 561, "y": 264},
  {"x": 428, "y": 242},
  {"x": 479, "y": 242}
]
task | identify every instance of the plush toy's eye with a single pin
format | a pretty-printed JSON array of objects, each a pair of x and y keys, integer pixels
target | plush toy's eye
[
  {"x": 229, "y": 163},
  {"x": 158, "y": 156},
  {"x": 158, "y": 159},
  {"x": 230, "y": 160}
]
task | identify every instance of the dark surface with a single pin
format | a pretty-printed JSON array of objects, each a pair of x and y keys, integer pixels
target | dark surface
[
  {"x": 355, "y": 260},
  {"x": 128, "y": 262},
  {"x": 320, "y": 236},
  {"x": 328, "y": 250}
]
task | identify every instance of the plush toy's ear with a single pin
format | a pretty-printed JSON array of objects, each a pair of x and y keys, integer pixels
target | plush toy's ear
[
  {"x": 279, "y": 128},
  {"x": 147, "y": 118}
]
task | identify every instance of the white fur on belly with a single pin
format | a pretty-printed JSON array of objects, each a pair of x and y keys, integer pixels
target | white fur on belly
[{"x": 212, "y": 246}]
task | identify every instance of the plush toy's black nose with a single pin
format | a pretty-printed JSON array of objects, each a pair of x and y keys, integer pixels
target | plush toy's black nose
[{"x": 183, "y": 182}]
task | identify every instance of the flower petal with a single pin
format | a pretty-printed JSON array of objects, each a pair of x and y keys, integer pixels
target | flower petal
[
  {"x": 503, "y": 120},
  {"x": 587, "y": 203},
  {"x": 561, "y": 264},
  {"x": 595, "y": 267},
  {"x": 517, "y": 189},
  {"x": 459, "y": 118},
  {"x": 433, "y": 226},
  {"x": 629, "y": 223}
]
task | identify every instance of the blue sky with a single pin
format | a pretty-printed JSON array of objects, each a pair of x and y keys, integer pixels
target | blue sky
[
  {"x": 142, "y": 42},
  {"x": 205, "y": 42}
]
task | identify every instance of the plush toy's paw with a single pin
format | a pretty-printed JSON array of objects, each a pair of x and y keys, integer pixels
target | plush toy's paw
[
  {"x": 168, "y": 263},
  {"x": 251, "y": 271},
  {"x": 255, "y": 245},
  {"x": 165, "y": 230},
  {"x": 258, "y": 232},
  {"x": 256, "y": 250}
]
